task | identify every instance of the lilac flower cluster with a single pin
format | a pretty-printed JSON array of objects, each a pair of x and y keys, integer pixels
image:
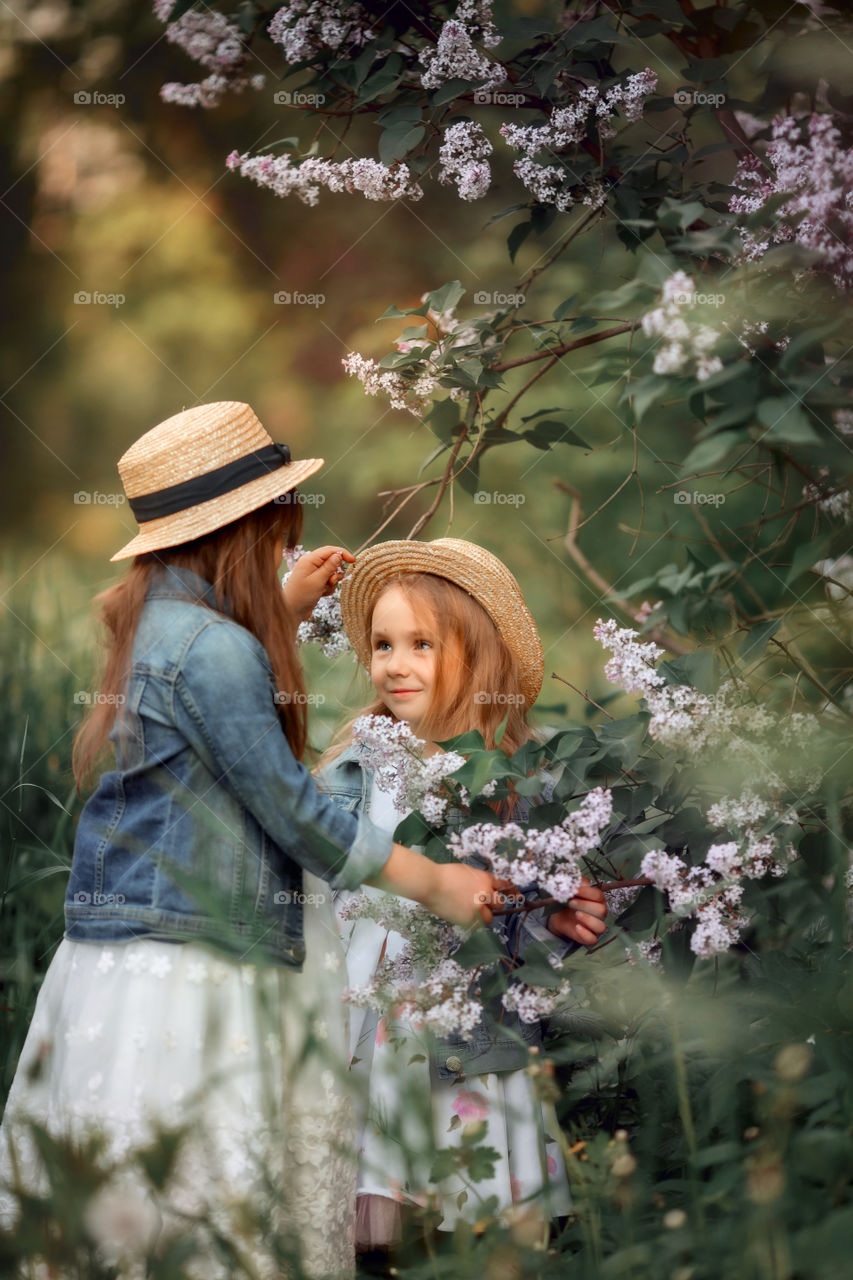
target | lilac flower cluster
[
  {"x": 214, "y": 42},
  {"x": 548, "y": 858},
  {"x": 305, "y": 28},
  {"x": 806, "y": 162},
  {"x": 567, "y": 126},
  {"x": 533, "y": 1003},
  {"x": 409, "y": 393},
  {"x": 373, "y": 180},
  {"x": 391, "y": 751},
  {"x": 463, "y": 156},
  {"x": 429, "y": 940},
  {"x": 440, "y": 1001},
  {"x": 326, "y": 624},
  {"x": 752, "y": 738},
  {"x": 683, "y": 340},
  {"x": 455, "y": 57},
  {"x": 698, "y": 891}
]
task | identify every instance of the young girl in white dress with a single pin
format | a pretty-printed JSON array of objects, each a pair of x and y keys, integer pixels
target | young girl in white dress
[
  {"x": 450, "y": 646},
  {"x": 198, "y": 984}
]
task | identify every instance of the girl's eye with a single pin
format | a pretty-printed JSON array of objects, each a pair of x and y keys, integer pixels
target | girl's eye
[
  {"x": 382, "y": 644},
  {"x": 423, "y": 644}
]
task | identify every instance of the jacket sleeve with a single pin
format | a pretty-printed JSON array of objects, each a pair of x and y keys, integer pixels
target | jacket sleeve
[{"x": 224, "y": 705}]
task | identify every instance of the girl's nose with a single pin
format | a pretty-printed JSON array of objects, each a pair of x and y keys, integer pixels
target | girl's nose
[{"x": 398, "y": 664}]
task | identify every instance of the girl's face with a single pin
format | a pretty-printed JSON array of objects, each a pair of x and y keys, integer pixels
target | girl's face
[{"x": 403, "y": 657}]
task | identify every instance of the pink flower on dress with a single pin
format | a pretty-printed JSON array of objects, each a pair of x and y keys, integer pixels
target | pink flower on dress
[
  {"x": 552, "y": 1165},
  {"x": 515, "y": 1188},
  {"x": 468, "y": 1105},
  {"x": 381, "y": 1031}
]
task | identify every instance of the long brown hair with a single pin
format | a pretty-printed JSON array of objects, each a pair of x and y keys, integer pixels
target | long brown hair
[
  {"x": 476, "y": 680},
  {"x": 239, "y": 561}
]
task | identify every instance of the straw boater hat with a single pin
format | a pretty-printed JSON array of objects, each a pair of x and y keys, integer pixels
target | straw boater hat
[
  {"x": 201, "y": 469},
  {"x": 470, "y": 567}
]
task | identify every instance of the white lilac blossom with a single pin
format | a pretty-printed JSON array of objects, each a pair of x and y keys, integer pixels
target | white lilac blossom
[
  {"x": 632, "y": 664},
  {"x": 842, "y": 420},
  {"x": 830, "y": 498},
  {"x": 455, "y": 56},
  {"x": 549, "y": 858},
  {"x": 440, "y": 1000},
  {"x": 705, "y": 727},
  {"x": 392, "y": 752},
  {"x": 305, "y": 28},
  {"x": 463, "y": 156},
  {"x": 567, "y": 125},
  {"x": 533, "y": 1003},
  {"x": 326, "y": 625},
  {"x": 806, "y": 162},
  {"x": 373, "y": 180},
  {"x": 429, "y": 940},
  {"x": 410, "y": 394},
  {"x": 216, "y": 44},
  {"x": 683, "y": 340},
  {"x": 412, "y": 389}
]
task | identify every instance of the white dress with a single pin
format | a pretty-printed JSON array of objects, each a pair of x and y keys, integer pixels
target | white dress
[
  {"x": 252, "y": 1060},
  {"x": 406, "y": 1111}
]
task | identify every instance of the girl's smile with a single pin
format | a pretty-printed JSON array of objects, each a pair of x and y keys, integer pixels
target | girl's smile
[{"x": 402, "y": 664}]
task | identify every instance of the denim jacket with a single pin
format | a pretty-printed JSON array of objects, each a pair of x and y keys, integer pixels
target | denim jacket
[
  {"x": 501, "y": 1041},
  {"x": 204, "y": 826}
]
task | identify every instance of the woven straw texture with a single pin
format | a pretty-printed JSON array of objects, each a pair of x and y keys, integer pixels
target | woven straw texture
[
  {"x": 473, "y": 569},
  {"x": 188, "y": 445}
]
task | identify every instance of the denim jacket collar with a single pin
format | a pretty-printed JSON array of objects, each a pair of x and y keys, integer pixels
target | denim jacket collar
[{"x": 172, "y": 582}]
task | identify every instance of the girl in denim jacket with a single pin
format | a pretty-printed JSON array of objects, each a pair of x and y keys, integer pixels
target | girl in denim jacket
[
  {"x": 450, "y": 646},
  {"x": 198, "y": 984}
]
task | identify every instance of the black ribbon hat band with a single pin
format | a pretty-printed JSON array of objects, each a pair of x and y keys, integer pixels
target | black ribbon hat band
[{"x": 213, "y": 484}]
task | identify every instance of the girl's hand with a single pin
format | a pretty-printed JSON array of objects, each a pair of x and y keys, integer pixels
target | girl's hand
[
  {"x": 583, "y": 920},
  {"x": 463, "y": 895},
  {"x": 315, "y": 574}
]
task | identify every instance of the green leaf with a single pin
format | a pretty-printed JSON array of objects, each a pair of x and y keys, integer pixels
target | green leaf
[
  {"x": 550, "y": 432},
  {"x": 806, "y": 555},
  {"x": 708, "y": 452},
  {"x": 643, "y": 393},
  {"x": 397, "y": 142},
  {"x": 483, "y": 947},
  {"x": 785, "y": 421},
  {"x": 565, "y": 307},
  {"x": 443, "y": 419},
  {"x": 755, "y": 641},
  {"x": 517, "y": 237},
  {"x": 446, "y": 297}
]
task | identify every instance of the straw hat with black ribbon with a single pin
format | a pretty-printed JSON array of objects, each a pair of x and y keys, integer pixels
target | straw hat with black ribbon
[
  {"x": 200, "y": 470},
  {"x": 479, "y": 573}
]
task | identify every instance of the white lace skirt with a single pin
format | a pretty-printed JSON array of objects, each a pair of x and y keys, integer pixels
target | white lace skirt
[{"x": 250, "y": 1061}]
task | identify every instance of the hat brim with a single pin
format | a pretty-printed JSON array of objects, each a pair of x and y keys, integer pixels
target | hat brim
[
  {"x": 470, "y": 567},
  {"x": 194, "y": 522}
]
